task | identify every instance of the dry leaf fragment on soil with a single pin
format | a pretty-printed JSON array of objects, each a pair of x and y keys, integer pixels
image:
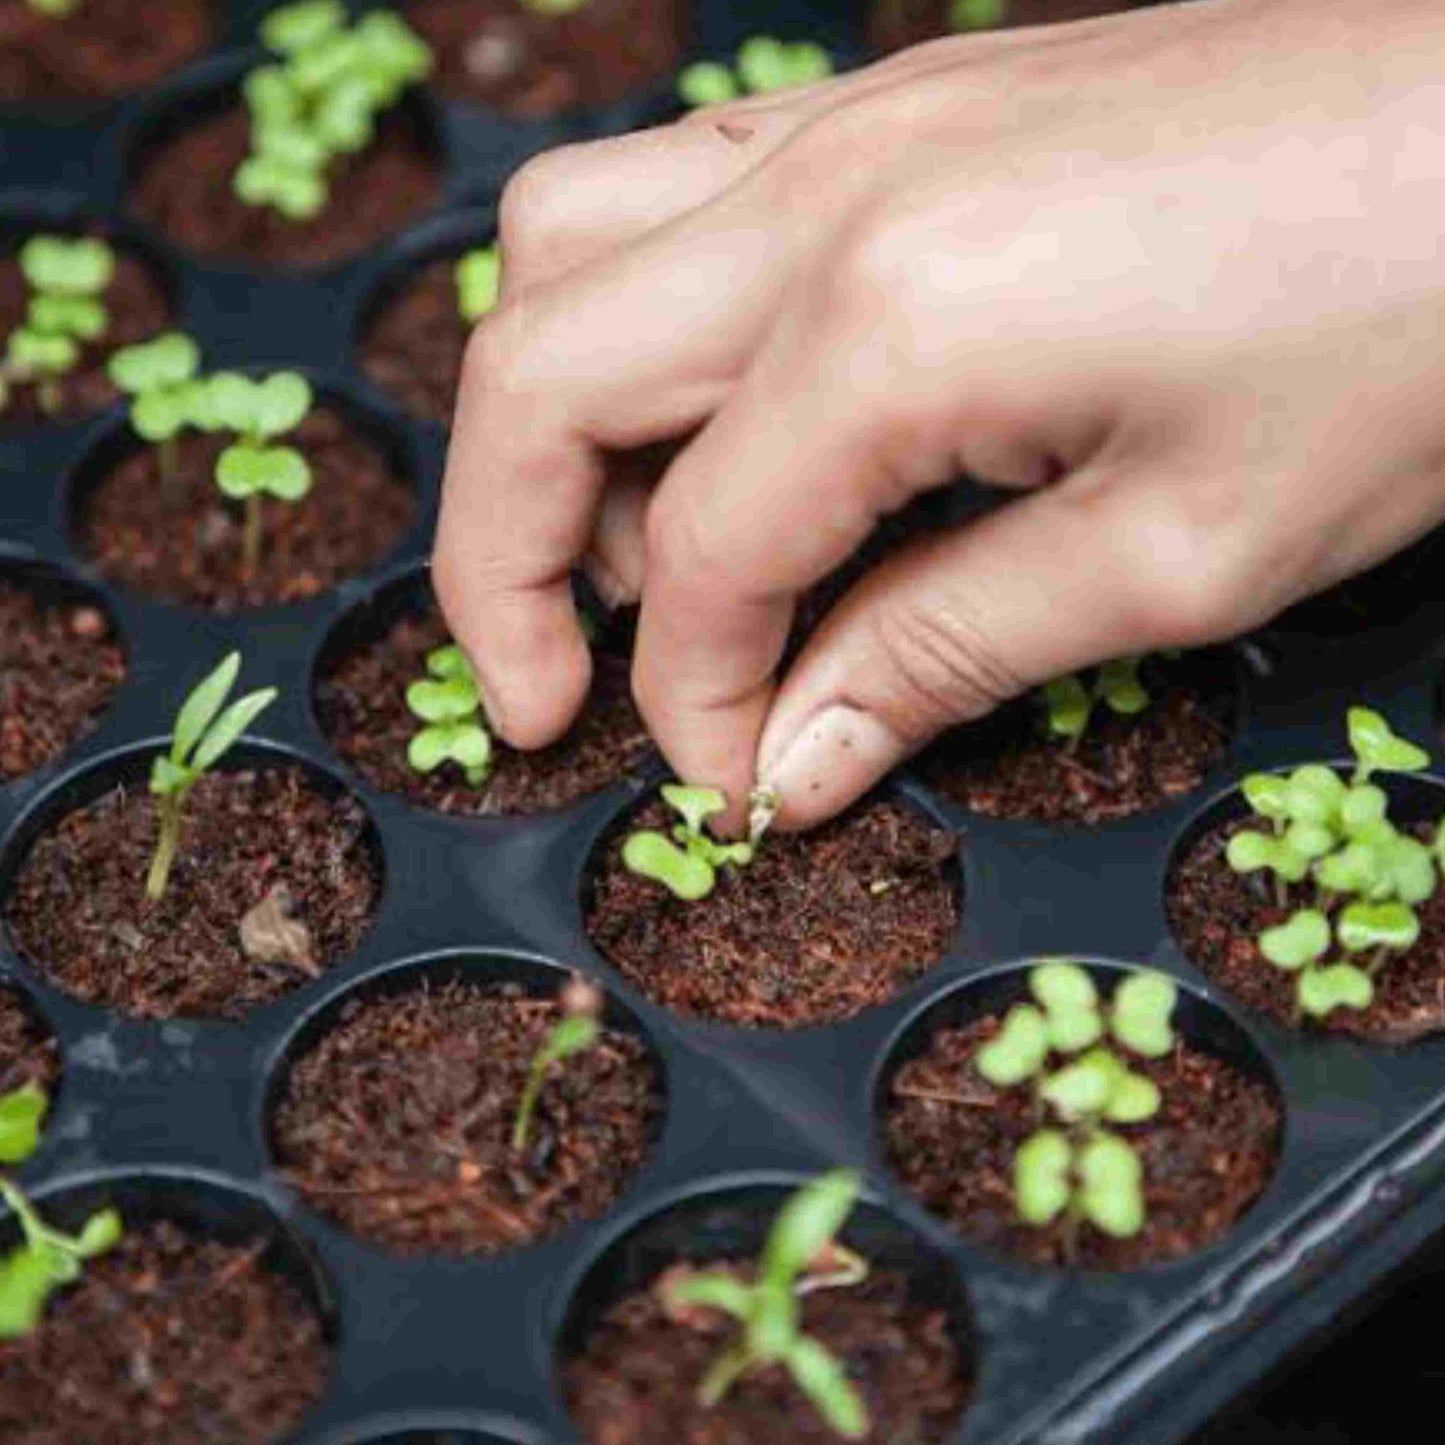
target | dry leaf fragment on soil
[{"x": 269, "y": 934}]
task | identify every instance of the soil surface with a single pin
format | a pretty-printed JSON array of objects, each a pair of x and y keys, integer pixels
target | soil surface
[
  {"x": 28, "y": 1051},
  {"x": 397, "y": 1124},
  {"x": 185, "y": 191},
  {"x": 1004, "y": 766},
  {"x": 502, "y": 54},
  {"x": 1207, "y": 1155},
  {"x": 1217, "y": 916},
  {"x": 137, "y": 307},
  {"x": 78, "y": 910},
  {"x": 636, "y": 1382},
  {"x": 820, "y": 926},
  {"x": 167, "y": 1339},
  {"x": 893, "y": 24},
  {"x": 414, "y": 343},
  {"x": 101, "y": 51},
  {"x": 59, "y": 665},
  {"x": 189, "y": 549},
  {"x": 361, "y": 704}
]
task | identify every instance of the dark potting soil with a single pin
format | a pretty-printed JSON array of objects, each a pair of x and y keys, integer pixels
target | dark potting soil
[
  {"x": 820, "y": 926},
  {"x": 59, "y": 665},
  {"x": 28, "y": 1052},
  {"x": 1207, "y": 1155},
  {"x": 413, "y": 346},
  {"x": 361, "y": 704},
  {"x": 502, "y": 53},
  {"x": 137, "y": 307},
  {"x": 635, "y": 1383},
  {"x": 102, "y": 50},
  {"x": 894, "y": 24},
  {"x": 185, "y": 191},
  {"x": 78, "y": 909},
  {"x": 397, "y": 1123},
  {"x": 1004, "y": 766},
  {"x": 190, "y": 549},
  {"x": 1217, "y": 916},
  {"x": 169, "y": 1339}
]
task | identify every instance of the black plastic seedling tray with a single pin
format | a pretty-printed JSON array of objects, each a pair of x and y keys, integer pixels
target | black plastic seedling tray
[{"x": 175, "y": 1115}]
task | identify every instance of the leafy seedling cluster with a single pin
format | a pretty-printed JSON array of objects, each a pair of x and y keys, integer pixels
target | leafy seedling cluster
[
  {"x": 320, "y": 103},
  {"x": 203, "y": 734},
  {"x": 449, "y": 704},
  {"x": 66, "y": 277},
  {"x": 1329, "y": 844},
  {"x": 762, "y": 66},
  {"x": 578, "y": 1030},
  {"x": 45, "y": 1259},
  {"x": 687, "y": 863},
  {"x": 1069, "y": 701},
  {"x": 800, "y": 1255},
  {"x": 1075, "y": 1168},
  {"x": 479, "y": 281}
]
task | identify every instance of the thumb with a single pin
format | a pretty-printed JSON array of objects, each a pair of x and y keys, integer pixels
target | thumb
[{"x": 1092, "y": 569}]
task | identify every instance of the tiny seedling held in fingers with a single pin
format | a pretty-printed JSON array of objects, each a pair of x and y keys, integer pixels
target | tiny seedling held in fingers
[
  {"x": 203, "y": 734},
  {"x": 800, "y": 1255},
  {"x": 1069, "y": 701},
  {"x": 763, "y": 66},
  {"x": 574, "y": 1033},
  {"x": 479, "y": 282},
  {"x": 449, "y": 705},
  {"x": 160, "y": 377},
  {"x": 687, "y": 863}
]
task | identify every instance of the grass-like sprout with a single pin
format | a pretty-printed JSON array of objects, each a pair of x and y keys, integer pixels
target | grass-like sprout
[
  {"x": 763, "y": 65},
  {"x": 687, "y": 863},
  {"x": 1074, "y": 1167},
  {"x": 1069, "y": 701},
  {"x": 22, "y": 1111},
  {"x": 448, "y": 702},
  {"x": 574, "y": 1033},
  {"x": 800, "y": 1254},
  {"x": 160, "y": 377},
  {"x": 66, "y": 277},
  {"x": 321, "y": 100},
  {"x": 1362, "y": 877},
  {"x": 252, "y": 468},
  {"x": 976, "y": 14},
  {"x": 203, "y": 734},
  {"x": 479, "y": 281}
]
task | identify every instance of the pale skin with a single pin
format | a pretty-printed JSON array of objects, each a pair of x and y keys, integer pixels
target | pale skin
[{"x": 1178, "y": 276}]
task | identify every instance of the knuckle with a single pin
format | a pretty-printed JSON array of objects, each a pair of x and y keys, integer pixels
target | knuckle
[
  {"x": 682, "y": 553},
  {"x": 531, "y": 203}
]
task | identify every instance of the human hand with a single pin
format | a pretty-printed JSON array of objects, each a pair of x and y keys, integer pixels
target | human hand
[{"x": 1178, "y": 276}]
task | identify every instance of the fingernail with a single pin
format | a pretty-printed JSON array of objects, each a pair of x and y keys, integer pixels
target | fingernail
[{"x": 833, "y": 757}]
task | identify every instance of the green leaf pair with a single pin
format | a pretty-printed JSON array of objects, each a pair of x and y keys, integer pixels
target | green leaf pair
[
  {"x": 160, "y": 376},
  {"x": 203, "y": 732},
  {"x": 1069, "y": 701},
  {"x": 1100, "y": 1086},
  {"x": 763, "y": 66},
  {"x": 687, "y": 863},
  {"x": 1100, "y": 1178},
  {"x": 479, "y": 279},
  {"x": 66, "y": 266},
  {"x": 246, "y": 470},
  {"x": 449, "y": 703}
]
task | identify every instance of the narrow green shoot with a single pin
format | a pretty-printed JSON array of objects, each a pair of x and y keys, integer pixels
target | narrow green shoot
[
  {"x": 572, "y": 1034},
  {"x": 687, "y": 863},
  {"x": 479, "y": 281},
  {"x": 46, "y": 1260},
  {"x": 449, "y": 703},
  {"x": 763, "y": 66}
]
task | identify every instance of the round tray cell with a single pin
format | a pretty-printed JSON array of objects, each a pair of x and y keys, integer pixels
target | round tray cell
[
  {"x": 139, "y": 300},
  {"x": 532, "y": 65},
  {"x": 1217, "y": 915},
  {"x": 950, "y": 1137},
  {"x": 185, "y": 155},
  {"x": 394, "y": 1111},
  {"x": 184, "y": 542},
  {"x": 29, "y": 1053},
  {"x": 61, "y": 660},
  {"x": 99, "y": 52},
  {"x": 819, "y": 927},
  {"x": 381, "y": 647},
  {"x": 628, "y": 1367},
  {"x": 208, "y": 1320},
  {"x": 276, "y": 879}
]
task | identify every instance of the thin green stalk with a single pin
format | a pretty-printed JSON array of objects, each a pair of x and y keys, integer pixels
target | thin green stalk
[
  {"x": 251, "y": 548},
  {"x": 531, "y": 1091},
  {"x": 168, "y": 837},
  {"x": 47, "y": 394},
  {"x": 170, "y": 466}
]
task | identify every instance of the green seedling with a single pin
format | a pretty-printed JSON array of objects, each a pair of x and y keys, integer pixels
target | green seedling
[
  {"x": 479, "y": 280},
  {"x": 763, "y": 65},
  {"x": 571, "y": 1035},
  {"x": 801, "y": 1240},
  {"x": 22, "y": 1112},
  {"x": 976, "y": 14},
  {"x": 160, "y": 377},
  {"x": 1069, "y": 701},
  {"x": 448, "y": 701},
  {"x": 687, "y": 863},
  {"x": 203, "y": 734},
  {"x": 554, "y": 8},
  {"x": 46, "y": 1260},
  {"x": 53, "y": 9}
]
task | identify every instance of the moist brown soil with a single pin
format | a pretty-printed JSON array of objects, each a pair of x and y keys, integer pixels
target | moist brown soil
[
  {"x": 361, "y": 704},
  {"x": 1209, "y": 1152},
  {"x": 190, "y": 550},
  {"x": 167, "y": 1338},
  {"x": 397, "y": 1124},
  {"x": 100, "y": 51},
  {"x": 185, "y": 191},
  {"x": 28, "y": 1051},
  {"x": 502, "y": 54},
  {"x": 1005, "y": 767},
  {"x": 893, "y": 24},
  {"x": 636, "y": 1381},
  {"x": 59, "y": 665},
  {"x": 137, "y": 308},
  {"x": 820, "y": 926},
  {"x": 1217, "y": 916},
  {"x": 413, "y": 345},
  {"x": 78, "y": 909}
]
